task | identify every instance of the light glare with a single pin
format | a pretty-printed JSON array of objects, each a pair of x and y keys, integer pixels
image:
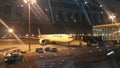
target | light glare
[
  {"x": 25, "y": 1},
  {"x": 100, "y": 5},
  {"x": 110, "y": 53},
  {"x": 10, "y": 30},
  {"x": 112, "y": 16},
  {"x": 30, "y": 1},
  {"x": 86, "y": 2}
]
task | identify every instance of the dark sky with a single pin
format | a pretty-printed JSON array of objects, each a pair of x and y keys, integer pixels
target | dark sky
[{"x": 111, "y": 4}]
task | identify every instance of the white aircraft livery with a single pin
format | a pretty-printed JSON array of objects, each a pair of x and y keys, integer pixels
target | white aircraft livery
[{"x": 46, "y": 38}]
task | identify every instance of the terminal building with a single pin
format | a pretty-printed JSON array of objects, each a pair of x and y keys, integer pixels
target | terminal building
[
  {"x": 52, "y": 16},
  {"x": 109, "y": 32}
]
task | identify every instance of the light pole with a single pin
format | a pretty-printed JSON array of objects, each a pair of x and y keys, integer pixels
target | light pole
[
  {"x": 29, "y": 2},
  {"x": 112, "y": 17}
]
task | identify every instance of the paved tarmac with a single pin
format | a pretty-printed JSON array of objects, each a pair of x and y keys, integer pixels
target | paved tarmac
[{"x": 78, "y": 57}]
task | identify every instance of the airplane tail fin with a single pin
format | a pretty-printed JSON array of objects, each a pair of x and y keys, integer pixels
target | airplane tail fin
[{"x": 39, "y": 31}]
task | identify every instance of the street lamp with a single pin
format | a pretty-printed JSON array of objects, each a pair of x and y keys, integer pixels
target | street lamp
[
  {"x": 112, "y": 17},
  {"x": 10, "y": 30},
  {"x": 29, "y": 2}
]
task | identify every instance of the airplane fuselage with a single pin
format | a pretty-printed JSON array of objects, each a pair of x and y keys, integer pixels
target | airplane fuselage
[{"x": 56, "y": 37}]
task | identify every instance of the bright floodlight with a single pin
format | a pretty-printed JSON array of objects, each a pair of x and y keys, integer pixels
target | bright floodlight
[
  {"x": 10, "y": 30},
  {"x": 112, "y": 17},
  {"x": 30, "y": 1}
]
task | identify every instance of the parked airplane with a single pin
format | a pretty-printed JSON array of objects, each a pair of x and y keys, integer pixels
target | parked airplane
[{"x": 47, "y": 38}]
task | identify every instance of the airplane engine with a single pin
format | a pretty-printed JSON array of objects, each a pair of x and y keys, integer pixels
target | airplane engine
[{"x": 43, "y": 41}]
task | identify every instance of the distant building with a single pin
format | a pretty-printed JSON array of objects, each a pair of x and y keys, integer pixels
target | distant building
[{"x": 109, "y": 32}]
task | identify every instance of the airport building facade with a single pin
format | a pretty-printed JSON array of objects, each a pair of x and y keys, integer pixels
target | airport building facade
[{"x": 109, "y": 32}]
